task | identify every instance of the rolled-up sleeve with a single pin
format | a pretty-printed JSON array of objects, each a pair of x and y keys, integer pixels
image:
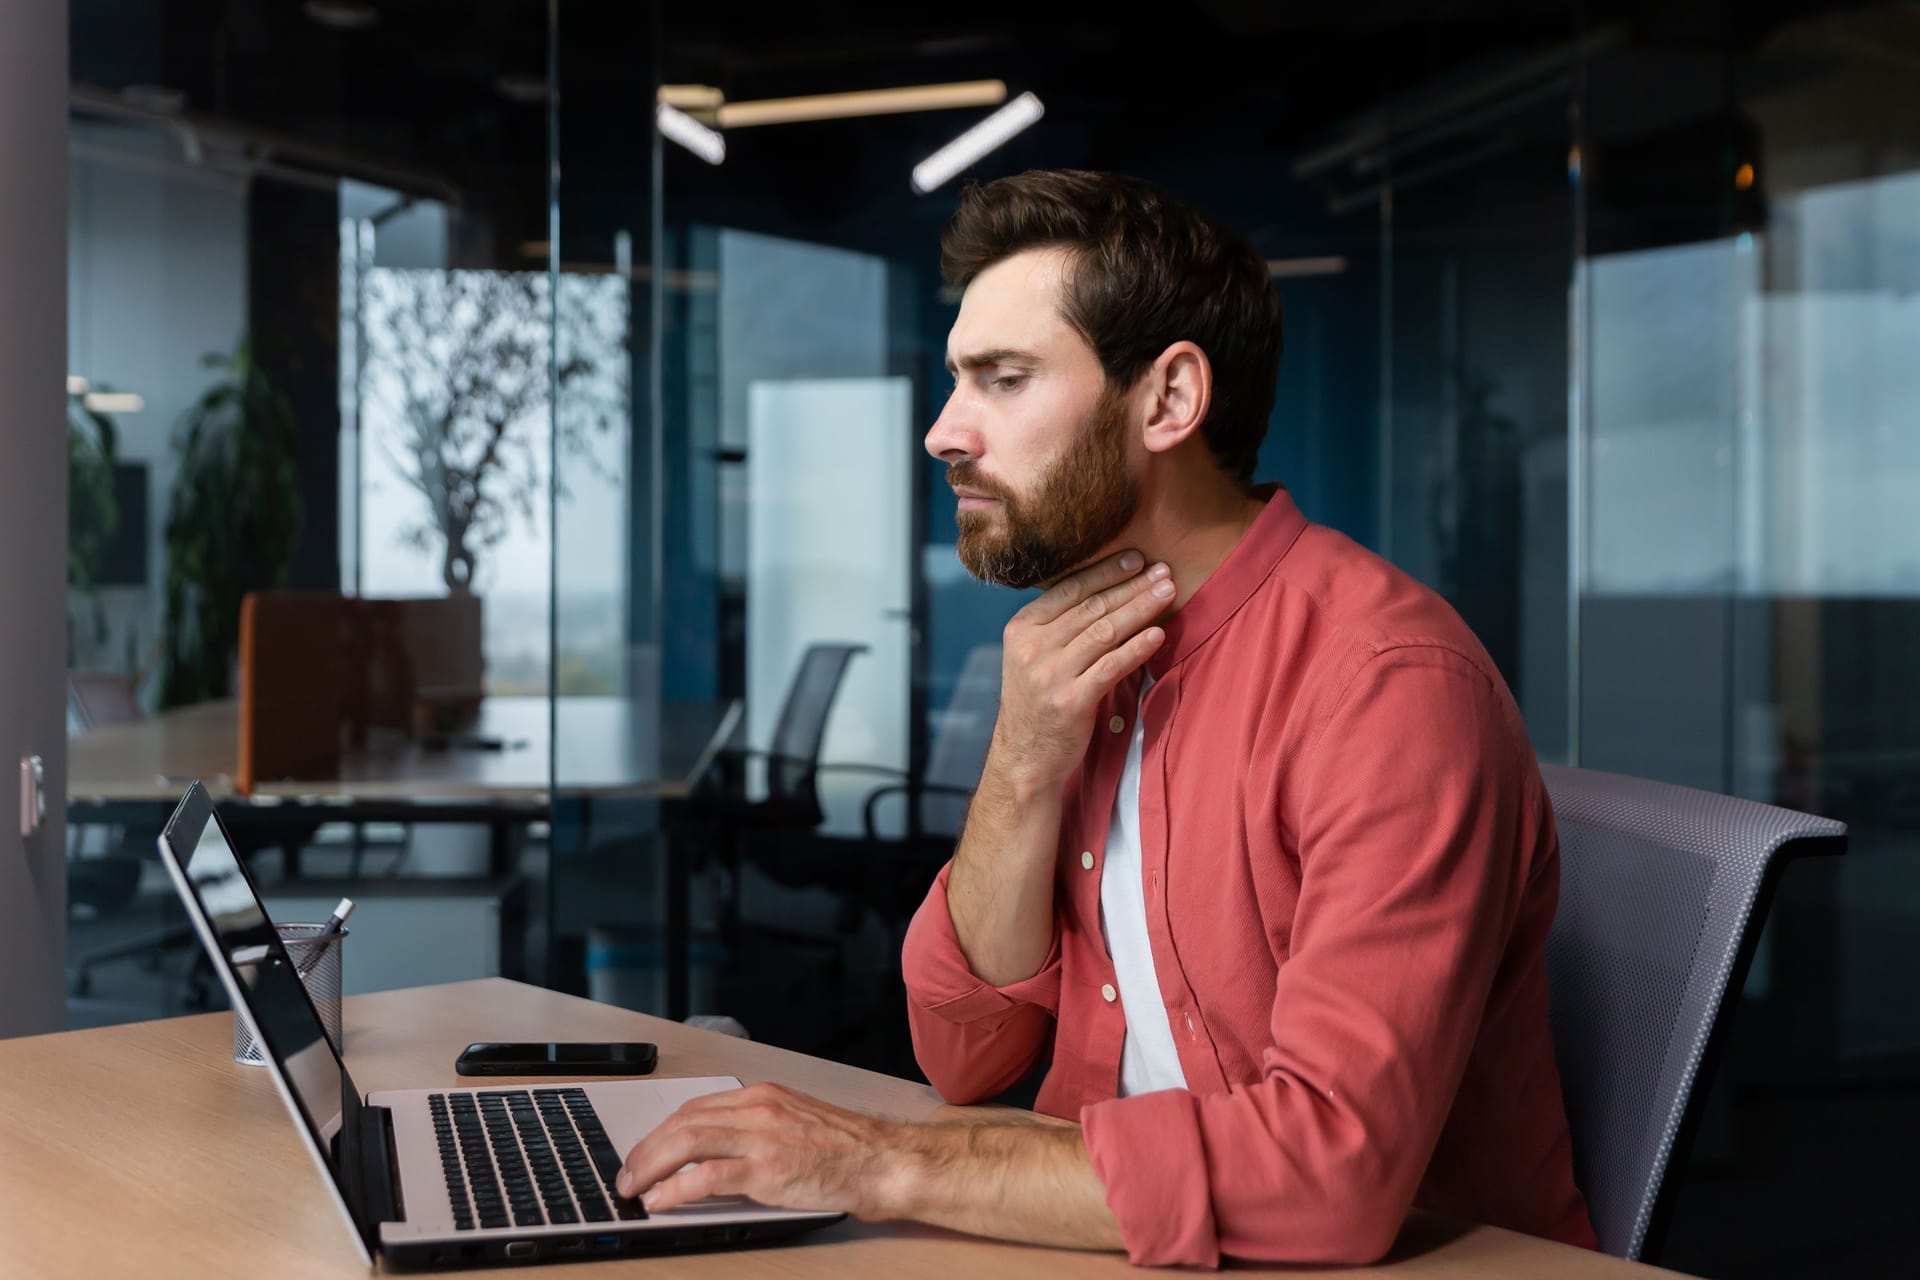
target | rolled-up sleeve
[
  {"x": 1412, "y": 805},
  {"x": 972, "y": 1039}
]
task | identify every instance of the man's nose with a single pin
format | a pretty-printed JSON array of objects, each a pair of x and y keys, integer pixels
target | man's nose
[{"x": 949, "y": 439}]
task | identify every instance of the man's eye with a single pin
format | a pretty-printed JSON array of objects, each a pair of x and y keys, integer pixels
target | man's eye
[{"x": 1009, "y": 381}]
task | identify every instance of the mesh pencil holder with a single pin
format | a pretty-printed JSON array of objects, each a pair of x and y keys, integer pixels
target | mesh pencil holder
[{"x": 307, "y": 945}]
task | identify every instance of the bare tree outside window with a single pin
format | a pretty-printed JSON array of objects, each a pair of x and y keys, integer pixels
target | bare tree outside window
[{"x": 460, "y": 367}]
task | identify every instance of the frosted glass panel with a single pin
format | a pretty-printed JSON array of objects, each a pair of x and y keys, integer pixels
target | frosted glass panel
[
  {"x": 829, "y": 465},
  {"x": 1671, "y": 336}
]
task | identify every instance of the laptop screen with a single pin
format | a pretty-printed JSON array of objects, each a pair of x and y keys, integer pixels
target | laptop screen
[{"x": 250, "y": 950}]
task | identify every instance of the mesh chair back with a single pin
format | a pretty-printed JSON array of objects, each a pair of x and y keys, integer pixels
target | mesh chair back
[
  {"x": 959, "y": 750},
  {"x": 794, "y": 753},
  {"x": 1662, "y": 893},
  {"x": 104, "y": 698}
]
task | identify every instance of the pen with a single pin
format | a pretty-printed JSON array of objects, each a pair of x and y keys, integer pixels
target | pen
[{"x": 335, "y": 923}]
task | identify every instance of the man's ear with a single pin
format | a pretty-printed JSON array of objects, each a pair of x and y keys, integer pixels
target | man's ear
[{"x": 1179, "y": 388}]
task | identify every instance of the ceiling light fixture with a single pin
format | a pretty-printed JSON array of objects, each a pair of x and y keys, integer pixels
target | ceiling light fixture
[
  {"x": 527, "y": 88},
  {"x": 993, "y": 132},
  {"x": 677, "y": 126},
  {"x": 870, "y": 102},
  {"x": 342, "y": 15},
  {"x": 114, "y": 402},
  {"x": 1288, "y": 268},
  {"x": 691, "y": 97}
]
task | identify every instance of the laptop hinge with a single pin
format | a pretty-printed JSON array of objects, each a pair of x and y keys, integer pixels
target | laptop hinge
[{"x": 378, "y": 1161}]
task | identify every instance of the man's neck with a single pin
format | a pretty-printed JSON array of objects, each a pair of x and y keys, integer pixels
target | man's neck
[{"x": 1192, "y": 527}]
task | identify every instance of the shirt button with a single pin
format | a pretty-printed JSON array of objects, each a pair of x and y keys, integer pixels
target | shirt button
[
  {"x": 1108, "y": 994},
  {"x": 1118, "y": 724},
  {"x": 1086, "y": 860}
]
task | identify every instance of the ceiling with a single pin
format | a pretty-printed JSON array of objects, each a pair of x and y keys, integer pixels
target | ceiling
[{"x": 453, "y": 89}]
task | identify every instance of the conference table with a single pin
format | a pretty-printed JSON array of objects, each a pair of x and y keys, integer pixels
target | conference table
[
  {"x": 502, "y": 772},
  {"x": 605, "y": 746},
  {"x": 146, "y": 1147}
]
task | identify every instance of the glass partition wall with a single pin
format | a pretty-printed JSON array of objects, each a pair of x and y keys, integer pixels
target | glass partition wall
[
  {"x": 311, "y": 426},
  {"x": 1643, "y": 329},
  {"x": 1746, "y": 560}
]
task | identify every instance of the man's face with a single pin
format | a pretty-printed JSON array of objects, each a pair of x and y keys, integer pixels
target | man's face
[{"x": 1037, "y": 447}]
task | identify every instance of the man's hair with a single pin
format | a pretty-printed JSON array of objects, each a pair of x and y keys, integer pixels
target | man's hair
[{"x": 1146, "y": 271}]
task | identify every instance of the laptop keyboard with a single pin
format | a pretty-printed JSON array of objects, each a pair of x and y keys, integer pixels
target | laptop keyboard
[{"x": 525, "y": 1158}]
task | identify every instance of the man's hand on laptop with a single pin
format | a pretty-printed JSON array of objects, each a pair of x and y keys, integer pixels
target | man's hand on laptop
[
  {"x": 771, "y": 1144},
  {"x": 1016, "y": 1176},
  {"x": 1066, "y": 650}
]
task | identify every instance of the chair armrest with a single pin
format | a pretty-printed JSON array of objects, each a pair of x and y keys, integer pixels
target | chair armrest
[
  {"x": 817, "y": 766},
  {"x": 729, "y": 763},
  {"x": 913, "y": 790},
  {"x": 876, "y": 770}
]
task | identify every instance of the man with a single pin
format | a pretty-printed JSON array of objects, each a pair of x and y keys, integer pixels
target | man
[{"x": 1260, "y": 857}]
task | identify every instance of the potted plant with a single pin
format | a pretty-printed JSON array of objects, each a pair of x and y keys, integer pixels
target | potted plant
[
  {"x": 93, "y": 517},
  {"x": 232, "y": 522}
]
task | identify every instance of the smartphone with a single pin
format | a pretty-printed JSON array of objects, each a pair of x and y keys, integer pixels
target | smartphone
[{"x": 629, "y": 1059}]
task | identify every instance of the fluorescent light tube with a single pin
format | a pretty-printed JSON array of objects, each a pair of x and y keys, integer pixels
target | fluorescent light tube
[
  {"x": 993, "y": 132},
  {"x": 114, "y": 402},
  {"x": 76, "y": 385},
  {"x": 1288, "y": 268},
  {"x": 682, "y": 128},
  {"x": 869, "y": 102},
  {"x": 691, "y": 97}
]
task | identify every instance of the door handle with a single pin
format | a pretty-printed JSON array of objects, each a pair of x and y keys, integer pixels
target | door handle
[{"x": 33, "y": 794}]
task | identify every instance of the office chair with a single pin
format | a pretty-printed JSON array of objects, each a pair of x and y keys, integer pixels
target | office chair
[
  {"x": 883, "y": 875},
  {"x": 936, "y": 803},
  {"x": 721, "y": 821},
  {"x": 752, "y": 831},
  {"x": 103, "y": 698},
  {"x": 1663, "y": 891},
  {"x": 792, "y": 758},
  {"x": 105, "y": 884}
]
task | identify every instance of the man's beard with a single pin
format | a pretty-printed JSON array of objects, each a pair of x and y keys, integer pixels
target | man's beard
[{"x": 1080, "y": 504}]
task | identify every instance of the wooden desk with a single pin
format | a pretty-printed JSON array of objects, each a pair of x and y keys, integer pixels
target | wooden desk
[{"x": 145, "y": 1147}]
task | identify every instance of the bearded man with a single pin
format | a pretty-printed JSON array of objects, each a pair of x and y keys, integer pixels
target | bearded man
[{"x": 1260, "y": 864}]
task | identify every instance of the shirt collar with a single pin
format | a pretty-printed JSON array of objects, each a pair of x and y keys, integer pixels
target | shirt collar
[{"x": 1250, "y": 563}]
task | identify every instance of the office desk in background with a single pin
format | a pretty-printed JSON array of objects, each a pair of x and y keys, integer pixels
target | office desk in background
[
  {"x": 146, "y": 1147},
  {"x": 606, "y": 748},
  {"x": 135, "y": 773}
]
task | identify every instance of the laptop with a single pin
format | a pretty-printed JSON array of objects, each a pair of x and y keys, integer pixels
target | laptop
[{"x": 452, "y": 1177}]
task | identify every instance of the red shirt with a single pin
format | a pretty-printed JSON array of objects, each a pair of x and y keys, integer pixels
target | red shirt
[{"x": 1350, "y": 870}]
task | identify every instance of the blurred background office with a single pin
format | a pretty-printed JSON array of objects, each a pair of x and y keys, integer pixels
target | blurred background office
[{"x": 494, "y": 463}]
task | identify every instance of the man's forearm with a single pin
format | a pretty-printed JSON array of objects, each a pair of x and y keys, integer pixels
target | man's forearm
[
  {"x": 1028, "y": 1182},
  {"x": 1000, "y": 890}
]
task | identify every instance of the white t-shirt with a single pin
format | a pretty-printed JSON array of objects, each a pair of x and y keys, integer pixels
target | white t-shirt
[{"x": 1148, "y": 1059}]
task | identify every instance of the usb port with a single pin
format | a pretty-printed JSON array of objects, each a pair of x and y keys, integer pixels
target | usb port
[{"x": 522, "y": 1249}]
